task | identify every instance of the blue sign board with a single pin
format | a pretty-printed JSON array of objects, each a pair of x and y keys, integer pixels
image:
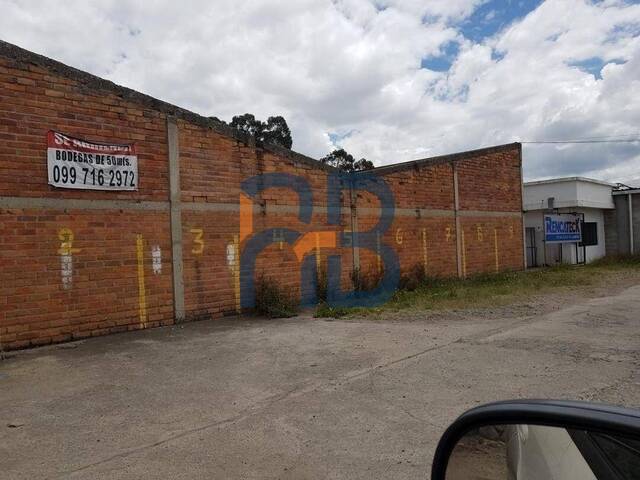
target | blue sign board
[{"x": 562, "y": 228}]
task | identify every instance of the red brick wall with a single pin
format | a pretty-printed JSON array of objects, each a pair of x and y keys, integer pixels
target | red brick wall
[
  {"x": 105, "y": 294},
  {"x": 35, "y": 308},
  {"x": 490, "y": 205},
  {"x": 491, "y": 182},
  {"x": 34, "y": 100}
]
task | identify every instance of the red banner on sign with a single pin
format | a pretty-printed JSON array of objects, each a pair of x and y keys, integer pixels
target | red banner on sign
[
  {"x": 61, "y": 141},
  {"x": 76, "y": 163}
]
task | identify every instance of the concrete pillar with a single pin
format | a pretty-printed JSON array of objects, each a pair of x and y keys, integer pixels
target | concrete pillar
[
  {"x": 631, "y": 245},
  {"x": 176, "y": 219},
  {"x": 524, "y": 229},
  {"x": 456, "y": 208},
  {"x": 353, "y": 210}
]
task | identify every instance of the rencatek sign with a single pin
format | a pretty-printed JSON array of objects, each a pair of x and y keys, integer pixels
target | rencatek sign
[{"x": 562, "y": 228}]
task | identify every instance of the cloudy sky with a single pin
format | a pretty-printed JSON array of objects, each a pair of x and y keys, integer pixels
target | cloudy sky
[{"x": 390, "y": 80}]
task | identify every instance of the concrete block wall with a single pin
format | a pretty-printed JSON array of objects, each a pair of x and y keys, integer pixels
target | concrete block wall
[
  {"x": 617, "y": 225},
  {"x": 77, "y": 263},
  {"x": 611, "y": 234}
]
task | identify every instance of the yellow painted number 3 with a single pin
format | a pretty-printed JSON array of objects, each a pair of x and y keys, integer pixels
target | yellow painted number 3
[{"x": 197, "y": 241}]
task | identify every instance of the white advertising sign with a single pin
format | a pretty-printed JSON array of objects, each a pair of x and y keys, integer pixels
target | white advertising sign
[
  {"x": 563, "y": 228},
  {"x": 76, "y": 163}
]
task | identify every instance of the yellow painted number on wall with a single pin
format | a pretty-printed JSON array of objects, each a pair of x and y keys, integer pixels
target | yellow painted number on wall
[
  {"x": 510, "y": 231},
  {"x": 447, "y": 233},
  {"x": 278, "y": 237},
  {"x": 479, "y": 233},
  {"x": 197, "y": 241},
  {"x": 399, "y": 236},
  {"x": 65, "y": 235}
]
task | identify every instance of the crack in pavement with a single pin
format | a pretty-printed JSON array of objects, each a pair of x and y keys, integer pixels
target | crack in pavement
[
  {"x": 298, "y": 391},
  {"x": 294, "y": 393},
  {"x": 245, "y": 413}
]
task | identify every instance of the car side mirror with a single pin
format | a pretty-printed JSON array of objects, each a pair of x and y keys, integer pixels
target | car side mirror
[{"x": 541, "y": 440}]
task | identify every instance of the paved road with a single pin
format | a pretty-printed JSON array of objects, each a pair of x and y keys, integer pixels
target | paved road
[{"x": 300, "y": 398}]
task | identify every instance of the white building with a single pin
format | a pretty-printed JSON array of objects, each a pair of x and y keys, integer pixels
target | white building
[{"x": 583, "y": 196}]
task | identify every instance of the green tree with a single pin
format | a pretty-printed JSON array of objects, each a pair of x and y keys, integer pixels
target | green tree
[
  {"x": 345, "y": 162},
  {"x": 247, "y": 123},
  {"x": 275, "y": 130}
]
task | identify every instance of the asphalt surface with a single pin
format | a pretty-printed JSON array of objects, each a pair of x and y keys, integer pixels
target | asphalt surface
[{"x": 303, "y": 398}]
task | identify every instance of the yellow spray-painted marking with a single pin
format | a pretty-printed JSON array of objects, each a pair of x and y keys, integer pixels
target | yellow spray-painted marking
[
  {"x": 424, "y": 249},
  {"x": 447, "y": 233},
  {"x": 198, "y": 241},
  {"x": 278, "y": 236},
  {"x": 312, "y": 241},
  {"x": 464, "y": 255},
  {"x": 142, "y": 294},
  {"x": 378, "y": 258},
  {"x": 318, "y": 258},
  {"x": 236, "y": 271},
  {"x": 66, "y": 242},
  {"x": 66, "y": 252},
  {"x": 495, "y": 248},
  {"x": 399, "y": 236}
]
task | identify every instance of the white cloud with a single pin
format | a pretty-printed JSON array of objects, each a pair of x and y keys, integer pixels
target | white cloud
[
  {"x": 353, "y": 66},
  {"x": 449, "y": 10}
]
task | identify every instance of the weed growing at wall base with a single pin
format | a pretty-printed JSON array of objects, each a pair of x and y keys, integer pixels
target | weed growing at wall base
[
  {"x": 271, "y": 299},
  {"x": 488, "y": 290},
  {"x": 324, "y": 310}
]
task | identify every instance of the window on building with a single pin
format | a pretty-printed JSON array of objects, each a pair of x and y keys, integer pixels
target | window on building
[{"x": 589, "y": 234}]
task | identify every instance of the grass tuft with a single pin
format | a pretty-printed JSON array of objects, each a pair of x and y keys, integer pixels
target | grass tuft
[
  {"x": 486, "y": 290},
  {"x": 324, "y": 310},
  {"x": 617, "y": 261}
]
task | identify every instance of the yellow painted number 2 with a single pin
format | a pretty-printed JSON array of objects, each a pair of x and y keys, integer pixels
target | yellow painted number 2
[{"x": 65, "y": 235}]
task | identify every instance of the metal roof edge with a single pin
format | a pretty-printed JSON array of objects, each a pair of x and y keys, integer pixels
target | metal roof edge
[{"x": 568, "y": 179}]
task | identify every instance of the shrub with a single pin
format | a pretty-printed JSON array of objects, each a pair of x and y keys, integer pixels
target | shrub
[
  {"x": 413, "y": 279},
  {"x": 272, "y": 301},
  {"x": 355, "y": 279},
  {"x": 364, "y": 282},
  {"x": 321, "y": 285}
]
